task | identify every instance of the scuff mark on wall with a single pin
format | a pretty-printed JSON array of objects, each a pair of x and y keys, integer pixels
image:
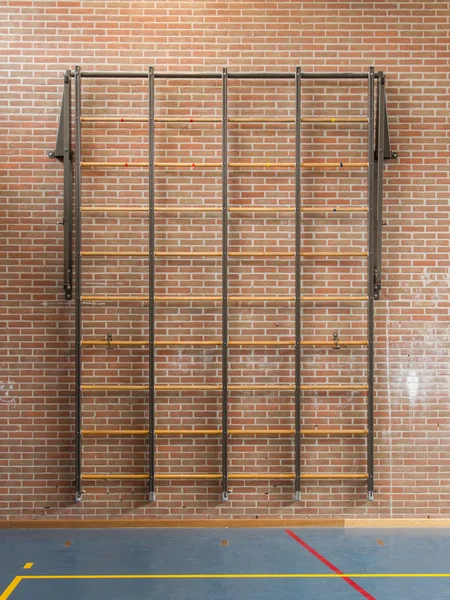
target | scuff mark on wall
[{"x": 7, "y": 394}]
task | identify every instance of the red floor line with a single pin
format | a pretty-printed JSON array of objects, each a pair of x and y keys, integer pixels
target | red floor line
[{"x": 330, "y": 565}]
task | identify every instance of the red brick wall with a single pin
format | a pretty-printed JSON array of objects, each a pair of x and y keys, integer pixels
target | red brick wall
[{"x": 408, "y": 40}]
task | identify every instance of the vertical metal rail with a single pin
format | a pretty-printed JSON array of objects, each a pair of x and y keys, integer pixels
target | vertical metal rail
[
  {"x": 370, "y": 280},
  {"x": 78, "y": 315},
  {"x": 224, "y": 285},
  {"x": 298, "y": 349},
  {"x": 68, "y": 192},
  {"x": 381, "y": 116},
  {"x": 151, "y": 284}
]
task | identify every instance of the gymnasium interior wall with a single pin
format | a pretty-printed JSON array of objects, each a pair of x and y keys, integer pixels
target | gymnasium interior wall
[{"x": 409, "y": 42}]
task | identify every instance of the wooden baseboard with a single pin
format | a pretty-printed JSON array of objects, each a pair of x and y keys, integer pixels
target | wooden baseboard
[
  {"x": 167, "y": 523},
  {"x": 220, "y": 523},
  {"x": 406, "y": 522}
]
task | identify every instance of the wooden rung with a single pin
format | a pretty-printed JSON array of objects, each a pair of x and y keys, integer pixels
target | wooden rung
[
  {"x": 118, "y": 387},
  {"x": 102, "y": 432},
  {"x": 334, "y": 476},
  {"x": 114, "y": 209},
  {"x": 114, "y": 298},
  {"x": 113, "y": 253},
  {"x": 334, "y": 120},
  {"x": 194, "y": 432},
  {"x": 188, "y": 431},
  {"x": 207, "y": 165},
  {"x": 274, "y": 209},
  {"x": 260, "y": 476},
  {"x": 330, "y": 343},
  {"x": 93, "y": 164},
  {"x": 268, "y": 387},
  {"x": 139, "y": 476},
  {"x": 266, "y": 298},
  {"x": 187, "y": 165},
  {"x": 333, "y": 388},
  {"x": 292, "y": 120},
  {"x": 256, "y": 387},
  {"x": 261, "y": 431},
  {"x": 230, "y": 254},
  {"x": 188, "y": 209},
  {"x": 187, "y": 254},
  {"x": 188, "y": 119},
  {"x": 237, "y": 254},
  {"x": 189, "y": 343},
  {"x": 331, "y": 209},
  {"x": 334, "y": 431},
  {"x": 261, "y": 120},
  {"x": 169, "y": 298},
  {"x": 332, "y": 254},
  {"x": 262, "y": 343},
  {"x": 114, "y": 119},
  {"x": 219, "y": 119},
  {"x": 188, "y": 476},
  {"x": 339, "y": 298},
  {"x": 219, "y": 343},
  {"x": 337, "y": 165},
  {"x": 114, "y": 476},
  {"x": 181, "y": 388}
]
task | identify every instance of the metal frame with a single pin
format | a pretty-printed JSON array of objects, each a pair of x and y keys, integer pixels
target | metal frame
[
  {"x": 78, "y": 289},
  {"x": 378, "y": 150},
  {"x": 298, "y": 227},
  {"x": 225, "y": 285},
  {"x": 151, "y": 284},
  {"x": 371, "y": 221}
]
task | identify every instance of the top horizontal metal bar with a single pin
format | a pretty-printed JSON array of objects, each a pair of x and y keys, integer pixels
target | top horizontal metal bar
[{"x": 193, "y": 75}]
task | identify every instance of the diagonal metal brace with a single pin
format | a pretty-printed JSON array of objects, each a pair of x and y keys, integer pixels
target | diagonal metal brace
[{"x": 63, "y": 153}]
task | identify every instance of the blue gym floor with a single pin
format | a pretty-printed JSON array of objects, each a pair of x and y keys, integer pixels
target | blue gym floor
[{"x": 224, "y": 564}]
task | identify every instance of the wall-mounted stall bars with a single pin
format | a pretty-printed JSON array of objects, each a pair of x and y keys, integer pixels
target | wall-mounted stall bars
[{"x": 378, "y": 150}]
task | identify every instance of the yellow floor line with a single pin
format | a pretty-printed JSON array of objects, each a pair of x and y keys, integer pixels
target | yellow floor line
[
  {"x": 235, "y": 576},
  {"x": 28, "y": 565},
  {"x": 11, "y": 587}
]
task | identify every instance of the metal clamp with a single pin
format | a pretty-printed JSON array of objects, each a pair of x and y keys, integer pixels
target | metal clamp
[
  {"x": 336, "y": 341},
  {"x": 109, "y": 338}
]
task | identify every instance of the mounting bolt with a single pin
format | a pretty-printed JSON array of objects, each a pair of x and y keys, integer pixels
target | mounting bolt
[{"x": 51, "y": 153}]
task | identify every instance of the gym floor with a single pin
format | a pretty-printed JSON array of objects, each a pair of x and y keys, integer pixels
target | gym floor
[{"x": 219, "y": 564}]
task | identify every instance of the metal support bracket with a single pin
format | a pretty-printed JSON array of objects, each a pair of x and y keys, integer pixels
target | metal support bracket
[
  {"x": 297, "y": 496},
  {"x": 224, "y": 496},
  {"x": 370, "y": 496},
  {"x": 152, "y": 497},
  {"x": 63, "y": 153},
  {"x": 78, "y": 497}
]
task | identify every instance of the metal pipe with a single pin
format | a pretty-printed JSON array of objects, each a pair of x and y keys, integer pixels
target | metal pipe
[
  {"x": 243, "y": 75},
  {"x": 78, "y": 311},
  {"x": 224, "y": 285},
  {"x": 298, "y": 285},
  {"x": 370, "y": 282},
  {"x": 151, "y": 283}
]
